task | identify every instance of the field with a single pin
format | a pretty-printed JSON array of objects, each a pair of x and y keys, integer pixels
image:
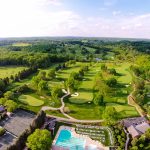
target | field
[{"x": 10, "y": 70}]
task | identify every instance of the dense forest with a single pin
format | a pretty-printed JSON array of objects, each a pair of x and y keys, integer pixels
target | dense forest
[{"x": 42, "y": 52}]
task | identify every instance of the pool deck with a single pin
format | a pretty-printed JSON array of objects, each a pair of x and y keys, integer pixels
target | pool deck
[{"x": 89, "y": 141}]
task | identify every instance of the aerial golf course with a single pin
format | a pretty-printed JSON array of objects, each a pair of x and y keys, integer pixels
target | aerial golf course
[{"x": 81, "y": 105}]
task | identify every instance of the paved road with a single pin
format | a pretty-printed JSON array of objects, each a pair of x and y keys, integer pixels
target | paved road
[
  {"x": 75, "y": 120},
  {"x": 137, "y": 107},
  {"x": 68, "y": 117},
  {"x": 128, "y": 139}
]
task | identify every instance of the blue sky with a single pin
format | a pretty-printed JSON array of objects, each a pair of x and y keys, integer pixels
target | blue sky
[{"x": 93, "y": 18}]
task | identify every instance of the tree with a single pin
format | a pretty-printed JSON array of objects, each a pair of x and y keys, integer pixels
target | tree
[
  {"x": 103, "y": 67},
  {"x": 2, "y": 101},
  {"x": 98, "y": 99},
  {"x": 81, "y": 72},
  {"x": 147, "y": 134},
  {"x": 134, "y": 142},
  {"x": 134, "y": 148},
  {"x": 56, "y": 92},
  {"x": 85, "y": 68},
  {"x": 101, "y": 87},
  {"x": 21, "y": 88},
  {"x": 112, "y": 71},
  {"x": 51, "y": 74},
  {"x": 39, "y": 140},
  {"x": 11, "y": 105},
  {"x": 42, "y": 75},
  {"x": 111, "y": 82},
  {"x": 2, "y": 85},
  {"x": 2, "y": 131},
  {"x": 72, "y": 84},
  {"x": 110, "y": 115},
  {"x": 42, "y": 85},
  {"x": 35, "y": 81},
  {"x": 9, "y": 95}
]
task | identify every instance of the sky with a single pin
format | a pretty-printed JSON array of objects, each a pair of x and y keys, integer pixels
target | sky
[{"x": 86, "y": 18}]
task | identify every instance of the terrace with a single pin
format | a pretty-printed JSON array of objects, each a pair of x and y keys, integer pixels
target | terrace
[{"x": 102, "y": 134}]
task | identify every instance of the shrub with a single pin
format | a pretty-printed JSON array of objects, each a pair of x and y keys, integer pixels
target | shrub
[{"x": 2, "y": 131}]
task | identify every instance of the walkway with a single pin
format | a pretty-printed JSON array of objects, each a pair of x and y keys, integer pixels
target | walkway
[
  {"x": 131, "y": 102},
  {"x": 128, "y": 139},
  {"x": 69, "y": 118}
]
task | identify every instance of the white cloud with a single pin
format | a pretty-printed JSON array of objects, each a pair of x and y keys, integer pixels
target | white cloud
[
  {"x": 110, "y": 2},
  {"x": 116, "y": 13},
  {"x": 51, "y": 2},
  {"x": 29, "y": 18},
  {"x": 55, "y": 2}
]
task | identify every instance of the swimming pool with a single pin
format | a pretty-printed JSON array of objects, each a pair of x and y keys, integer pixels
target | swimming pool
[{"x": 66, "y": 140}]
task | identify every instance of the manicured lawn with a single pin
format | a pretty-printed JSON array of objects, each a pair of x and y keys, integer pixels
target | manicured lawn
[
  {"x": 123, "y": 69},
  {"x": 30, "y": 100},
  {"x": 85, "y": 111},
  {"x": 55, "y": 113},
  {"x": 10, "y": 70},
  {"x": 86, "y": 89},
  {"x": 64, "y": 74},
  {"x": 124, "y": 110}
]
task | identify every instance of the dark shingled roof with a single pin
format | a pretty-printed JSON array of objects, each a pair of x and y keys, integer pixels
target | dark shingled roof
[{"x": 133, "y": 121}]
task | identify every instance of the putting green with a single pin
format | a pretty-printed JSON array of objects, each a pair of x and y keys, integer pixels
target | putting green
[{"x": 32, "y": 101}]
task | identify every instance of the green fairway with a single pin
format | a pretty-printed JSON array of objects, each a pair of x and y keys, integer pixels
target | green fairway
[
  {"x": 124, "y": 110},
  {"x": 85, "y": 111},
  {"x": 86, "y": 89},
  {"x": 10, "y": 70},
  {"x": 123, "y": 69},
  {"x": 64, "y": 74},
  {"x": 30, "y": 100}
]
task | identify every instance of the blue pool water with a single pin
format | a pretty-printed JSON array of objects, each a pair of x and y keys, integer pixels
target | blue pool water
[{"x": 66, "y": 140}]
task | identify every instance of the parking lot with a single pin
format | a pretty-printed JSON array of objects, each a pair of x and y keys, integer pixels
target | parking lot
[{"x": 14, "y": 126}]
